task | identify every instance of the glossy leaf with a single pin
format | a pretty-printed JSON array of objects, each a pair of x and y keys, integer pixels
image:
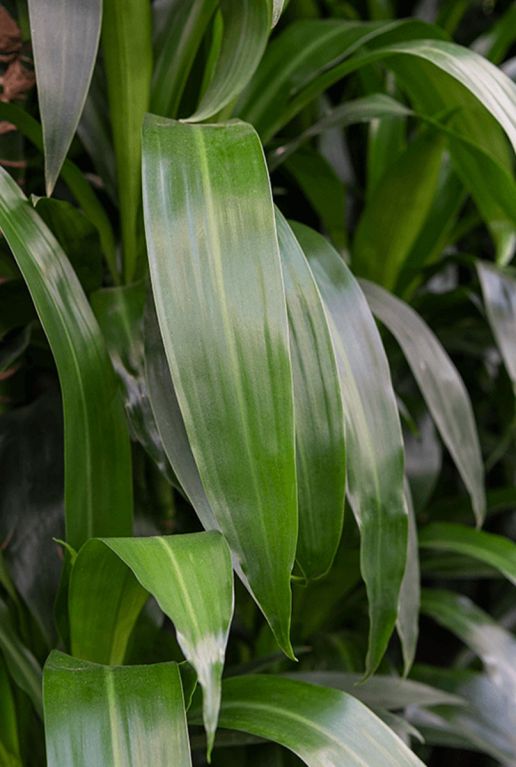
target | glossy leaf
[
  {"x": 221, "y": 309},
  {"x": 325, "y": 728},
  {"x": 126, "y": 716},
  {"x": 493, "y": 644},
  {"x": 440, "y": 384},
  {"x": 65, "y": 39},
  {"x": 98, "y": 492},
  {"x": 410, "y": 592},
  {"x": 320, "y": 438},
  {"x": 127, "y": 52},
  {"x": 177, "y": 46},
  {"x": 499, "y": 291},
  {"x": 374, "y": 443},
  {"x": 189, "y": 576},
  {"x": 384, "y": 237},
  {"x": 246, "y": 31},
  {"x": 21, "y": 663},
  {"x": 495, "y": 550}
]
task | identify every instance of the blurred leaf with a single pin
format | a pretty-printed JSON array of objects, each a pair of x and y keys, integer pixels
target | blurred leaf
[
  {"x": 440, "y": 384},
  {"x": 495, "y": 550},
  {"x": 21, "y": 663},
  {"x": 98, "y": 492},
  {"x": 320, "y": 441},
  {"x": 122, "y": 716},
  {"x": 408, "y": 609},
  {"x": 396, "y": 210},
  {"x": 95, "y": 133},
  {"x": 127, "y": 51},
  {"x": 12, "y": 347},
  {"x": 423, "y": 459},
  {"x": 246, "y": 31},
  {"x": 221, "y": 309},
  {"x": 325, "y": 728},
  {"x": 499, "y": 292},
  {"x": 374, "y": 443},
  {"x": 9, "y": 742},
  {"x": 65, "y": 39}
]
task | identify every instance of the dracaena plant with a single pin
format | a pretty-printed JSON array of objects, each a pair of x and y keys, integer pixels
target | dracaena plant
[{"x": 258, "y": 359}]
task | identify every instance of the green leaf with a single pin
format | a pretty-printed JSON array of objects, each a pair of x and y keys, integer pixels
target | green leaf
[
  {"x": 9, "y": 740},
  {"x": 177, "y": 46},
  {"x": 221, "y": 309},
  {"x": 127, "y": 51},
  {"x": 325, "y": 728},
  {"x": 246, "y": 31},
  {"x": 21, "y": 663},
  {"x": 189, "y": 576},
  {"x": 98, "y": 491},
  {"x": 320, "y": 439},
  {"x": 120, "y": 716},
  {"x": 385, "y": 234},
  {"x": 380, "y": 691},
  {"x": 65, "y": 39},
  {"x": 440, "y": 384},
  {"x": 408, "y": 609},
  {"x": 499, "y": 292},
  {"x": 495, "y": 550},
  {"x": 493, "y": 644},
  {"x": 374, "y": 442}
]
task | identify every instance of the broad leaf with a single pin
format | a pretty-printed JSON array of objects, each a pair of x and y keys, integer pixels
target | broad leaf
[
  {"x": 374, "y": 442},
  {"x": 217, "y": 284},
  {"x": 127, "y": 52},
  {"x": 495, "y": 550},
  {"x": 440, "y": 384},
  {"x": 246, "y": 31},
  {"x": 98, "y": 491},
  {"x": 325, "y": 728},
  {"x": 189, "y": 576},
  {"x": 320, "y": 439},
  {"x": 124, "y": 716},
  {"x": 65, "y": 39}
]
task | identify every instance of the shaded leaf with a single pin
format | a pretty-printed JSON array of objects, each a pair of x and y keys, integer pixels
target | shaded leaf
[
  {"x": 21, "y": 663},
  {"x": 499, "y": 291},
  {"x": 408, "y": 609}
]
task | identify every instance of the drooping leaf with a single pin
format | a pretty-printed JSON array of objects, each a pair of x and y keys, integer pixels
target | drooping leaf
[
  {"x": 440, "y": 384},
  {"x": 21, "y": 663},
  {"x": 495, "y": 550},
  {"x": 189, "y": 576},
  {"x": 124, "y": 716},
  {"x": 374, "y": 442},
  {"x": 216, "y": 278},
  {"x": 407, "y": 623},
  {"x": 499, "y": 291},
  {"x": 384, "y": 236},
  {"x": 246, "y": 31},
  {"x": 485, "y": 637},
  {"x": 325, "y": 728},
  {"x": 320, "y": 439},
  {"x": 98, "y": 491},
  {"x": 127, "y": 52},
  {"x": 176, "y": 47},
  {"x": 65, "y": 39}
]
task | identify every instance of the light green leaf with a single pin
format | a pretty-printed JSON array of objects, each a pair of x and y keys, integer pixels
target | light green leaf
[
  {"x": 121, "y": 716},
  {"x": 21, "y": 663},
  {"x": 440, "y": 384},
  {"x": 98, "y": 486},
  {"x": 218, "y": 289},
  {"x": 246, "y": 31},
  {"x": 325, "y": 728},
  {"x": 65, "y": 39},
  {"x": 408, "y": 609},
  {"x": 320, "y": 439},
  {"x": 499, "y": 292},
  {"x": 380, "y": 691},
  {"x": 189, "y": 576},
  {"x": 177, "y": 46},
  {"x": 385, "y": 235},
  {"x": 493, "y": 644},
  {"x": 127, "y": 52},
  {"x": 374, "y": 442},
  {"x": 495, "y": 550}
]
